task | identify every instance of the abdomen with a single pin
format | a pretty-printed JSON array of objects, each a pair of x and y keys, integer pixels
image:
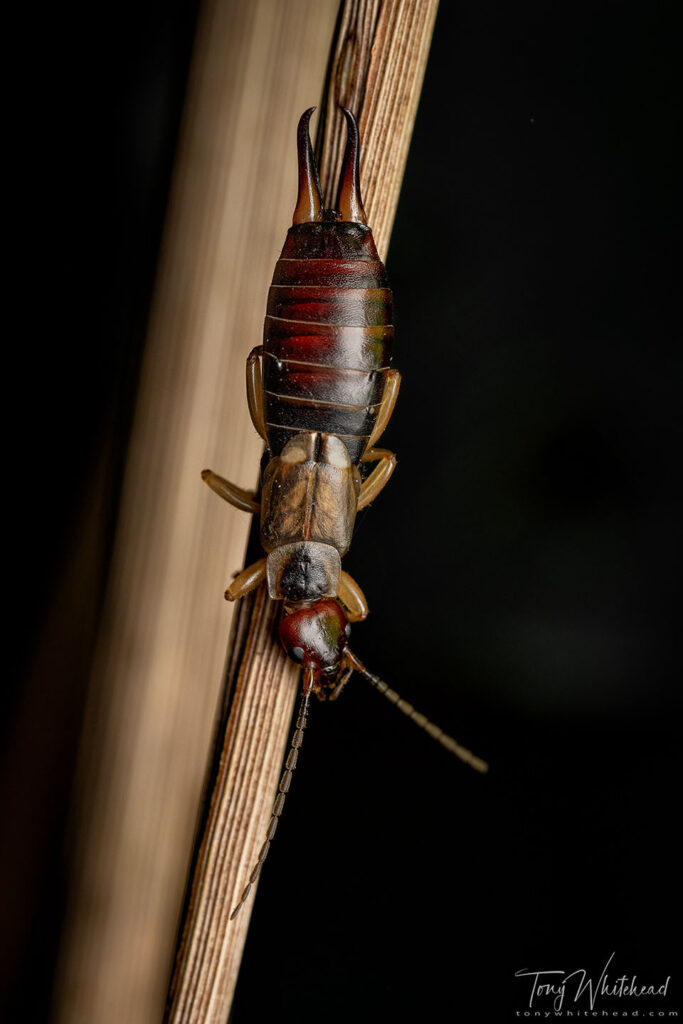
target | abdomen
[{"x": 327, "y": 336}]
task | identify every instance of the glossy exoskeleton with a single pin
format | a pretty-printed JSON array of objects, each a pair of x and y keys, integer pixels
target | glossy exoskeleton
[{"x": 320, "y": 393}]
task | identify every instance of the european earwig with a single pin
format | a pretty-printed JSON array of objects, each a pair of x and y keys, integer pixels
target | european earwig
[{"x": 321, "y": 392}]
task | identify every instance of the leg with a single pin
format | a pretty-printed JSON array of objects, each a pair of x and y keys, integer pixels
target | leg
[
  {"x": 248, "y": 579},
  {"x": 255, "y": 390},
  {"x": 243, "y": 500},
  {"x": 352, "y": 597},
  {"x": 379, "y": 476},
  {"x": 391, "y": 386}
]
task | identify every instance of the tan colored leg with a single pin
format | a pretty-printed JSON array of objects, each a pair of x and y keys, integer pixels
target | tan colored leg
[
  {"x": 350, "y": 595},
  {"x": 378, "y": 478},
  {"x": 391, "y": 386},
  {"x": 248, "y": 579},
  {"x": 241, "y": 499},
  {"x": 372, "y": 454},
  {"x": 255, "y": 390}
]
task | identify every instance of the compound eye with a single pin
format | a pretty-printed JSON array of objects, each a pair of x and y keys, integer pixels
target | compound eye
[
  {"x": 347, "y": 630},
  {"x": 296, "y": 654}
]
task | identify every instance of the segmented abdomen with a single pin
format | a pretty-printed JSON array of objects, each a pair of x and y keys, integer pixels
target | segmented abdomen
[{"x": 327, "y": 336}]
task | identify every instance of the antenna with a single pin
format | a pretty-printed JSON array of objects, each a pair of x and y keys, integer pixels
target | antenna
[
  {"x": 283, "y": 790},
  {"x": 434, "y": 731}
]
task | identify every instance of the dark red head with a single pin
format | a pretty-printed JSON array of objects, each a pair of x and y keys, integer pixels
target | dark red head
[{"x": 316, "y": 636}]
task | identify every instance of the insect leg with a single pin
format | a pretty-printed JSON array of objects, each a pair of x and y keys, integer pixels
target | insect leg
[
  {"x": 379, "y": 477},
  {"x": 248, "y": 579},
  {"x": 241, "y": 499},
  {"x": 255, "y": 390},
  {"x": 352, "y": 597},
  {"x": 391, "y": 386}
]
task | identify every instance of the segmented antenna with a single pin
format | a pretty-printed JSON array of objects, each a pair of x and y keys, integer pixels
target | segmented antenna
[
  {"x": 283, "y": 790},
  {"x": 434, "y": 731}
]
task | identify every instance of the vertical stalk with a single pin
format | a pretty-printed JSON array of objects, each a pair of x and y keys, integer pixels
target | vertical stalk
[
  {"x": 160, "y": 654},
  {"x": 377, "y": 64}
]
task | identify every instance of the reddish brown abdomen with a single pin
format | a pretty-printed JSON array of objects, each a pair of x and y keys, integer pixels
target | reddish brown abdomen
[{"x": 327, "y": 336}]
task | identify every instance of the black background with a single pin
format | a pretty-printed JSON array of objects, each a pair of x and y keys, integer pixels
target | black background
[{"x": 521, "y": 565}]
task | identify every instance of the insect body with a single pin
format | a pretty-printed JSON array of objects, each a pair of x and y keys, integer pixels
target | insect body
[{"x": 321, "y": 392}]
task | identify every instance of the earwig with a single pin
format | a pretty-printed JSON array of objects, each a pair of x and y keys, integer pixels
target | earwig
[{"x": 321, "y": 391}]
